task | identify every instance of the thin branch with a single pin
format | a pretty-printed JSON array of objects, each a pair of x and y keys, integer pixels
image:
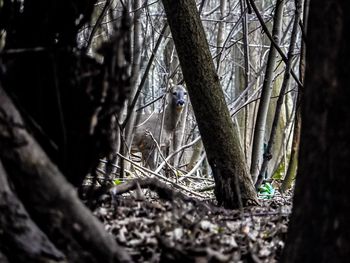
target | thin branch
[
  {"x": 181, "y": 187},
  {"x": 145, "y": 75},
  {"x": 97, "y": 24},
  {"x": 279, "y": 50},
  {"x": 268, "y": 155}
]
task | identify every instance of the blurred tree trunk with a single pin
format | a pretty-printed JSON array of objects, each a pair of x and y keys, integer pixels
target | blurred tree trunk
[
  {"x": 50, "y": 200},
  {"x": 225, "y": 155},
  {"x": 57, "y": 110},
  {"x": 25, "y": 241},
  {"x": 68, "y": 98},
  {"x": 319, "y": 227}
]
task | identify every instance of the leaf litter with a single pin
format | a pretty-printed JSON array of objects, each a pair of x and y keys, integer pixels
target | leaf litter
[{"x": 153, "y": 229}]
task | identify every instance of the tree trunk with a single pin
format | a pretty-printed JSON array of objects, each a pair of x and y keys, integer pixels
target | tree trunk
[
  {"x": 285, "y": 84},
  {"x": 293, "y": 161},
  {"x": 67, "y": 101},
  {"x": 23, "y": 241},
  {"x": 259, "y": 129},
  {"x": 220, "y": 139},
  {"x": 135, "y": 69},
  {"x": 319, "y": 227},
  {"x": 220, "y": 36},
  {"x": 68, "y": 98},
  {"x": 179, "y": 135},
  {"x": 49, "y": 198}
]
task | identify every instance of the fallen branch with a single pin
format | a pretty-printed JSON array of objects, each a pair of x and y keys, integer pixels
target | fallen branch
[
  {"x": 163, "y": 190},
  {"x": 141, "y": 168}
]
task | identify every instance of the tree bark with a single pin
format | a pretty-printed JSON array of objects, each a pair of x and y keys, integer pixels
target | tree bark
[
  {"x": 285, "y": 84},
  {"x": 53, "y": 204},
  {"x": 22, "y": 240},
  {"x": 260, "y": 124},
  {"x": 220, "y": 138},
  {"x": 319, "y": 227},
  {"x": 293, "y": 161},
  {"x": 3, "y": 258},
  {"x": 68, "y": 98},
  {"x": 135, "y": 71}
]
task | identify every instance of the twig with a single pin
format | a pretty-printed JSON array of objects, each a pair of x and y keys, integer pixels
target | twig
[
  {"x": 139, "y": 167},
  {"x": 161, "y": 154},
  {"x": 277, "y": 47},
  {"x": 193, "y": 169},
  {"x": 145, "y": 75},
  {"x": 179, "y": 150},
  {"x": 97, "y": 24}
]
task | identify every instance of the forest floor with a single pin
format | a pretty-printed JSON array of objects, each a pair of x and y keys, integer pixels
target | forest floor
[{"x": 174, "y": 228}]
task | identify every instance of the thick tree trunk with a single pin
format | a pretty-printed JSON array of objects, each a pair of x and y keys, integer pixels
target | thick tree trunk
[
  {"x": 48, "y": 197},
  {"x": 3, "y": 258},
  {"x": 319, "y": 228},
  {"x": 220, "y": 138},
  {"x": 68, "y": 101},
  {"x": 20, "y": 238},
  {"x": 61, "y": 92},
  {"x": 40, "y": 80}
]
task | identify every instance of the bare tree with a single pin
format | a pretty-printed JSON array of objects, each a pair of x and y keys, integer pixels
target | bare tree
[
  {"x": 293, "y": 161},
  {"x": 259, "y": 129},
  {"x": 55, "y": 124},
  {"x": 279, "y": 104},
  {"x": 222, "y": 145}
]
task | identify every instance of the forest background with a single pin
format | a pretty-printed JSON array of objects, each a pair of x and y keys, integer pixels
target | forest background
[{"x": 67, "y": 68}]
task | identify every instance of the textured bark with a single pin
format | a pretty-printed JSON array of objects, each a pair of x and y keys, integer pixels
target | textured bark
[
  {"x": 60, "y": 90},
  {"x": 67, "y": 101},
  {"x": 319, "y": 227},
  {"x": 53, "y": 203},
  {"x": 20, "y": 238},
  {"x": 220, "y": 138}
]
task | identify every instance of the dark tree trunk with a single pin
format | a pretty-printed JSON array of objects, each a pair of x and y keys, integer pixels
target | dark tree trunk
[
  {"x": 319, "y": 229},
  {"x": 51, "y": 201},
  {"x": 61, "y": 123},
  {"x": 219, "y": 136},
  {"x": 20, "y": 238},
  {"x": 57, "y": 88}
]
